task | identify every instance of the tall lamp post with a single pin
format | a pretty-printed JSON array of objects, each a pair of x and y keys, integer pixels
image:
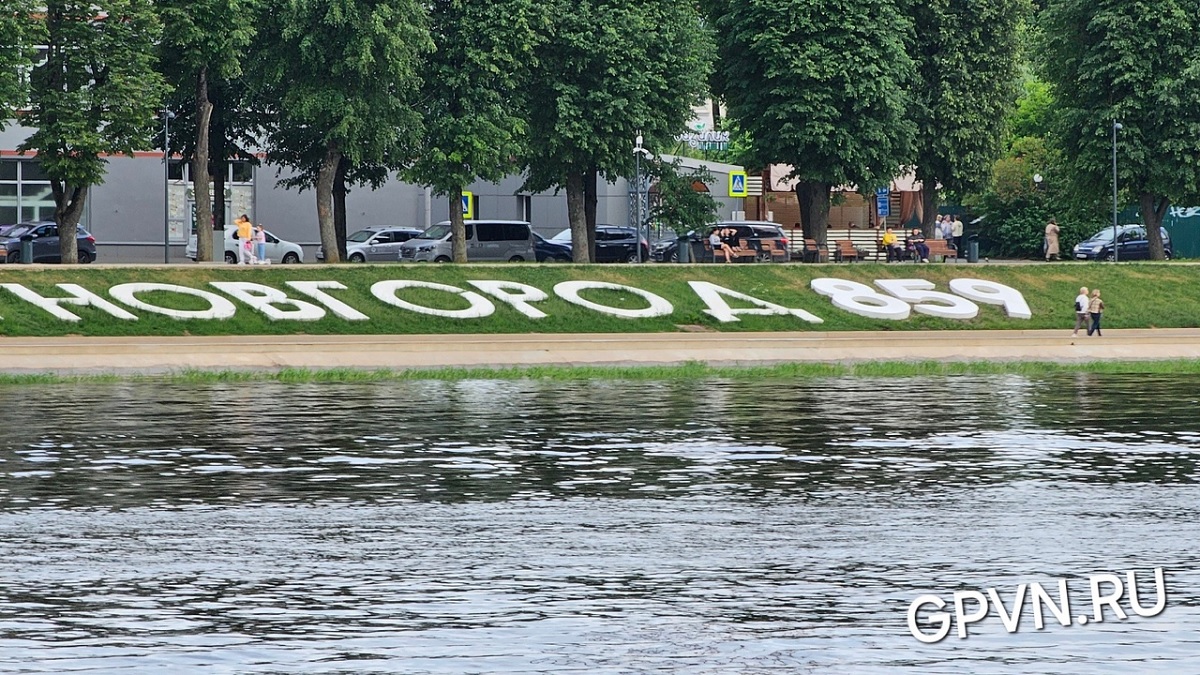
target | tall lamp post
[
  {"x": 1116, "y": 126},
  {"x": 167, "y": 117},
  {"x": 638, "y": 152}
]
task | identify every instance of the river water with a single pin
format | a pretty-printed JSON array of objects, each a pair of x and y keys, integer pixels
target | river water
[{"x": 591, "y": 527}]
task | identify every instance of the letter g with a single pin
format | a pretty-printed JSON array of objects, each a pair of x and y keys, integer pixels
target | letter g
[{"x": 943, "y": 617}]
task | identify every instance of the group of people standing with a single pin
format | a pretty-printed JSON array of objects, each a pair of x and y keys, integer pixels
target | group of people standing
[
  {"x": 950, "y": 228},
  {"x": 1088, "y": 308},
  {"x": 252, "y": 242}
]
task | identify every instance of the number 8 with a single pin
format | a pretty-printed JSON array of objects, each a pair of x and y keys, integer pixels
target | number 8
[{"x": 861, "y": 299}]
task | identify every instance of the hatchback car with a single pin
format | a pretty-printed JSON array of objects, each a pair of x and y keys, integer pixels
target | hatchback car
[
  {"x": 487, "y": 241},
  {"x": 278, "y": 250},
  {"x": 767, "y": 238},
  {"x": 614, "y": 243},
  {"x": 44, "y": 237},
  {"x": 375, "y": 244},
  {"x": 1132, "y": 244}
]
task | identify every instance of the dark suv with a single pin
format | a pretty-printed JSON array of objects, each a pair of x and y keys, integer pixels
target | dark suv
[
  {"x": 766, "y": 238},
  {"x": 44, "y": 236},
  {"x": 614, "y": 243}
]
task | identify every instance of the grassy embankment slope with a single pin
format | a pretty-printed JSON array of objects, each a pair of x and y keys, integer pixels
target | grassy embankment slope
[{"x": 1136, "y": 295}]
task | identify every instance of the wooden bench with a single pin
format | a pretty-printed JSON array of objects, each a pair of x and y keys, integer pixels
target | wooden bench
[
  {"x": 740, "y": 252},
  {"x": 771, "y": 250},
  {"x": 846, "y": 251},
  {"x": 812, "y": 252},
  {"x": 939, "y": 247}
]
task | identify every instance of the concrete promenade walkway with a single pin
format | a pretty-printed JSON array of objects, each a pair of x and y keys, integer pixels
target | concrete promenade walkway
[{"x": 149, "y": 355}]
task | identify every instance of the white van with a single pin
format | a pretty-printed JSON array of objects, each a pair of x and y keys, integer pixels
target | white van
[{"x": 487, "y": 241}]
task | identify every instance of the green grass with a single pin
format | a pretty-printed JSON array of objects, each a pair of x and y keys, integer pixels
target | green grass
[
  {"x": 685, "y": 371},
  {"x": 1139, "y": 295}
]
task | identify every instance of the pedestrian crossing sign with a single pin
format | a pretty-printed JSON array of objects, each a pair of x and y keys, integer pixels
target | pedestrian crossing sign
[
  {"x": 468, "y": 205},
  {"x": 737, "y": 184}
]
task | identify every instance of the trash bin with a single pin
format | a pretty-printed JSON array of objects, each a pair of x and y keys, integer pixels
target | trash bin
[
  {"x": 684, "y": 246},
  {"x": 973, "y": 249},
  {"x": 27, "y": 248}
]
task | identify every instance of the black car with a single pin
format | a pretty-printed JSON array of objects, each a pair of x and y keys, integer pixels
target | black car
[
  {"x": 614, "y": 243},
  {"x": 1132, "y": 244},
  {"x": 44, "y": 237},
  {"x": 551, "y": 251},
  {"x": 767, "y": 238}
]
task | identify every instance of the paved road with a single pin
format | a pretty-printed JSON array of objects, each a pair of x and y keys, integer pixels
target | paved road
[{"x": 165, "y": 354}]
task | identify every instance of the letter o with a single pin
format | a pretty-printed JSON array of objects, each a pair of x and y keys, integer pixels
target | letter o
[
  {"x": 480, "y": 306},
  {"x": 569, "y": 291},
  {"x": 218, "y": 307}
]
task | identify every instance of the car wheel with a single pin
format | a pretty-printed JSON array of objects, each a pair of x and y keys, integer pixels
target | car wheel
[
  {"x": 1166, "y": 255},
  {"x": 1110, "y": 256},
  {"x": 290, "y": 258},
  {"x": 85, "y": 257},
  {"x": 441, "y": 259},
  {"x": 560, "y": 259},
  {"x": 230, "y": 258},
  {"x": 673, "y": 256},
  {"x": 13, "y": 258},
  {"x": 632, "y": 257},
  {"x": 516, "y": 258},
  {"x": 357, "y": 258}
]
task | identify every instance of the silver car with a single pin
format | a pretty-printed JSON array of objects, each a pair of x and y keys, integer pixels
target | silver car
[
  {"x": 487, "y": 241},
  {"x": 375, "y": 244}
]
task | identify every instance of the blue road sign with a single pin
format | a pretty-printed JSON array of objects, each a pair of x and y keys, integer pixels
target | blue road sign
[{"x": 882, "y": 203}]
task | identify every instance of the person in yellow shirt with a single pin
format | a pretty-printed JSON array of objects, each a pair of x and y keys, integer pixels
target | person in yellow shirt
[
  {"x": 891, "y": 246},
  {"x": 245, "y": 236}
]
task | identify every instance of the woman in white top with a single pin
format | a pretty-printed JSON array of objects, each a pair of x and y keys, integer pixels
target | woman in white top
[
  {"x": 714, "y": 240},
  {"x": 1081, "y": 310}
]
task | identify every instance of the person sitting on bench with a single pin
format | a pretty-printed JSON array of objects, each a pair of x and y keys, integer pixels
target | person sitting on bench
[
  {"x": 916, "y": 244},
  {"x": 717, "y": 244},
  {"x": 891, "y": 246}
]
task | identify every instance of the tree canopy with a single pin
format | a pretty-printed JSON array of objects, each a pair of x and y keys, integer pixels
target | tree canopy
[
  {"x": 819, "y": 90},
  {"x": 95, "y": 95},
  {"x": 20, "y": 31},
  {"x": 1136, "y": 64}
]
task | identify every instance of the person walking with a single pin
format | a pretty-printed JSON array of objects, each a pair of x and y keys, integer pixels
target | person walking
[
  {"x": 260, "y": 245},
  {"x": 245, "y": 232},
  {"x": 1096, "y": 309},
  {"x": 1051, "y": 244},
  {"x": 1081, "y": 310}
]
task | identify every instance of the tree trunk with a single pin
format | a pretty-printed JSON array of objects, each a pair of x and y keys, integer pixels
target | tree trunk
[
  {"x": 200, "y": 184},
  {"x": 929, "y": 204},
  {"x": 716, "y": 113},
  {"x": 458, "y": 229},
  {"x": 339, "y": 205},
  {"x": 590, "y": 198},
  {"x": 68, "y": 209},
  {"x": 814, "y": 210},
  {"x": 580, "y": 252},
  {"x": 325, "y": 176},
  {"x": 1154, "y": 209},
  {"x": 218, "y": 146}
]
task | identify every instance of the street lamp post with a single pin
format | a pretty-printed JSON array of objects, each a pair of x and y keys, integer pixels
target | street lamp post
[
  {"x": 1116, "y": 126},
  {"x": 638, "y": 152},
  {"x": 167, "y": 117}
]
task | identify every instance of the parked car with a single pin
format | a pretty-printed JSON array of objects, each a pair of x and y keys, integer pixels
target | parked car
[
  {"x": 278, "y": 250},
  {"x": 763, "y": 236},
  {"x": 614, "y": 243},
  {"x": 487, "y": 241},
  {"x": 1132, "y": 244},
  {"x": 547, "y": 250},
  {"x": 45, "y": 243},
  {"x": 375, "y": 244}
]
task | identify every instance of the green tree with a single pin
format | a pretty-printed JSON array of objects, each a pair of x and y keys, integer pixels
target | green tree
[
  {"x": 818, "y": 90},
  {"x": 474, "y": 125},
  {"x": 340, "y": 77},
  {"x": 966, "y": 55},
  {"x": 204, "y": 44},
  {"x": 1137, "y": 64},
  {"x": 95, "y": 95},
  {"x": 20, "y": 31},
  {"x": 607, "y": 71},
  {"x": 680, "y": 207}
]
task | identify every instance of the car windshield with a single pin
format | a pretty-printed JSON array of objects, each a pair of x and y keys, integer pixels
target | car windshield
[
  {"x": 16, "y": 230},
  {"x": 437, "y": 232},
  {"x": 360, "y": 236},
  {"x": 565, "y": 235}
]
